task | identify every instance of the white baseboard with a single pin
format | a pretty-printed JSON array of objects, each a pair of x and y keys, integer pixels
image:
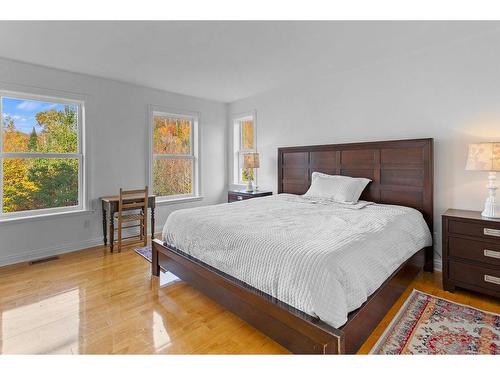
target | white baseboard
[{"x": 48, "y": 252}]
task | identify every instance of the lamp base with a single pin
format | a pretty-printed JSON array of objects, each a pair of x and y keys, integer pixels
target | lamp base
[
  {"x": 491, "y": 209},
  {"x": 250, "y": 188}
]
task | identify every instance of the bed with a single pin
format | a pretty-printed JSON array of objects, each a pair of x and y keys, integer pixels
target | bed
[{"x": 315, "y": 276}]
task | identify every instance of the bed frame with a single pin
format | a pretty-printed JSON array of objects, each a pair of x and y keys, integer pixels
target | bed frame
[{"x": 401, "y": 173}]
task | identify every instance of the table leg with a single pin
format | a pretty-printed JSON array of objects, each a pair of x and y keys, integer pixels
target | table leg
[
  {"x": 104, "y": 226},
  {"x": 111, "y": 230},
  {"x": 152, "y": 223}
]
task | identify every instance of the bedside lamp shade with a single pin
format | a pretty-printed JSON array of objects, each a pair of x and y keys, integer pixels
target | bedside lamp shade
[
  {"x": 484, "y": 157},
  {"x": 251, "y": 160}
]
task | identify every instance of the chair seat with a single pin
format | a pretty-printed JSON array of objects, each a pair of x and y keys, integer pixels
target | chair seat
[{"x": 133, "y": 217}]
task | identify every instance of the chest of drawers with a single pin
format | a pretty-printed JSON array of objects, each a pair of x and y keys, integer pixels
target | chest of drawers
[{"x": 471, "y": 252}]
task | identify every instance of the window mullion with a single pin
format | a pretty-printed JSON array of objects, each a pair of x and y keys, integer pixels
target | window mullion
[
  {"x": 173, "y": 156},
  {"x": 27, "y": 155}
]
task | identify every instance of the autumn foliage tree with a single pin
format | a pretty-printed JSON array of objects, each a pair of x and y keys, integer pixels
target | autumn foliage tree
[
  {"x": 17, "y": 188},
  {"x": 172, "y": 136}
]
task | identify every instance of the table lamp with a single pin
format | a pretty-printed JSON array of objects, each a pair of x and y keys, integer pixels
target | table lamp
[
  {"x": 250, "y": 161},
  {"x": 486, "y": 157}
]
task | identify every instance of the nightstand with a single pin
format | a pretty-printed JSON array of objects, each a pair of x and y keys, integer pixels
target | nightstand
[
  {"x": 471, "y": 252},
  {"x": 241, "y": 195}
]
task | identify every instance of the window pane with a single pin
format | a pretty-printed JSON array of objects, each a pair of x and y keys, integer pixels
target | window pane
[
  {"x": 38, "y": 126},
  {"x": 247, "y": 142},
  {"x": 246, "y": 174},
  {"x": 171, "y": 135},
  {"x": 172, "y": 176},
  {"x": 36, "y": 183}
]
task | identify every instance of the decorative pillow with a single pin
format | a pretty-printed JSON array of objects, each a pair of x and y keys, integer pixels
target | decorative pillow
[{"x": 342, "y": 189}]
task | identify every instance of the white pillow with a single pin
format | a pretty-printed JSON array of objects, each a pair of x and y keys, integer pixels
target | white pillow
[{"x": 342, "y": 189}]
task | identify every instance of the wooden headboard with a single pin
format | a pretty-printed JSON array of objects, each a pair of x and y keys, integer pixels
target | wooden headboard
[{"x": 401, "y": 171}]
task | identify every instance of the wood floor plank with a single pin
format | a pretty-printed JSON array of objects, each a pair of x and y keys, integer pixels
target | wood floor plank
[{"x": 94, "y": 302}]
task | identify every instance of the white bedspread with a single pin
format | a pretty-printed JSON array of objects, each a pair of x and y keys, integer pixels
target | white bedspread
[{"x": 322, "y": 258}]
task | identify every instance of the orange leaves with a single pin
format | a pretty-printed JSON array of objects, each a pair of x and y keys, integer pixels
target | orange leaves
[
  {"x": 247, "y": 136},
  {"x": 171, "y": 135},
  {"x": 14, "y": 140}
]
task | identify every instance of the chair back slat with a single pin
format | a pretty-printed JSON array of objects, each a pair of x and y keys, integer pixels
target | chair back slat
[
  {"x": 137, "y": 198},
  {"x": 133, "y": 205}
]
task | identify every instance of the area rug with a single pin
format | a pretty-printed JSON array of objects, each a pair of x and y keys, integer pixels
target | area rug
[
  {"x": 146, "y": 252},
  {"x": 426, "y": 324}
]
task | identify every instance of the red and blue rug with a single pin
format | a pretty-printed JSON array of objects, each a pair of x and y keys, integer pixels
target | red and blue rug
[{"x": 426, "y": 324}]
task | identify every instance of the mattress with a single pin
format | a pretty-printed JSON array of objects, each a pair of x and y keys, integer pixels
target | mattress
[{"x": 321, "y": 257}]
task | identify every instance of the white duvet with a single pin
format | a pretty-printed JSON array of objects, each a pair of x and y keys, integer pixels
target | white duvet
[{"x": 322, "y": 258}]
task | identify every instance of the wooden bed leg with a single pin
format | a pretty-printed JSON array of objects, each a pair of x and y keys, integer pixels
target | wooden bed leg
[
  {"x": 155, "y": 267},
  {"x": 429, "y": 259}
]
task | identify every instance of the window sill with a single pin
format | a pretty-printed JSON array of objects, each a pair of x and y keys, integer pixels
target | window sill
[
  {"x": 24, "y": 219},
  {"x": 161, "y": 202}
]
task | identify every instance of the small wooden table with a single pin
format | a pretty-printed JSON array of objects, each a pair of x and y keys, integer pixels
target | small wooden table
[{"x": 110, "y": 206}]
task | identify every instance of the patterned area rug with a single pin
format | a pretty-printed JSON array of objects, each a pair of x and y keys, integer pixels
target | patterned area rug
[
  {"x": 426, "y": 324},
  {"x": 146, "y": 252}
]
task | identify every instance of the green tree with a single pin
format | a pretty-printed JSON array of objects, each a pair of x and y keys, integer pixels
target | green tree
[
  {"x": 56, "y": 178},
  {"x": 33, "y": 141},
  {"x": 59, "y": 130}
]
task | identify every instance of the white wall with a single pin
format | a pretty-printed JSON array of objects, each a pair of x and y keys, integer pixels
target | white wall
[
  {"x": 451, "y": 93},
  {"x": 116, "y": 121}
]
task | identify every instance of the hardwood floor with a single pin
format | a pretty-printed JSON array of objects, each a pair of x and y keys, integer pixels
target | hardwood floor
[{"x": 92, "y": 301}]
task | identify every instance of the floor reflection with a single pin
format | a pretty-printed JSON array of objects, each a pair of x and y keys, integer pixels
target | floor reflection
[
  {"x": 160, "y": 335},
  {"x": 50, "y": 325},
  {"x": 167, "y": 278},
  {"x": 95, "y": 302}
]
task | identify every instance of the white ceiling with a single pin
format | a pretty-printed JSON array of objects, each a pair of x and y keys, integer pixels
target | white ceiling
[{"x": 223, "y": 61}]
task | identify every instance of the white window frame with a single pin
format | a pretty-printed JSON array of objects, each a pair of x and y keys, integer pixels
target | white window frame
[
  {"x": 193, "y": 155},
  {"x": 238, "y": 144},
  {"x": 80, "y": 155}
]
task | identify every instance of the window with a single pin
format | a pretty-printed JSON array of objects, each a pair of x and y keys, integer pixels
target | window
[
  {"x": 41, "y": 155},
  {"x": 174, "y": 162},
  {"x": 244, "y": 142}
]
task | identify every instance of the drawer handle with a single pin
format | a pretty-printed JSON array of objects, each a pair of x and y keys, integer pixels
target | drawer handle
[
  {"x": 492, "y": 232},
  {"x": 492, "y": 253},
  {"x": 239, "y": 197},
  {"x": 492, "y": 279}
]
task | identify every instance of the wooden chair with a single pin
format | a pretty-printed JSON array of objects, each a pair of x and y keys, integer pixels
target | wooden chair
[{"x": 137, "y": 201}]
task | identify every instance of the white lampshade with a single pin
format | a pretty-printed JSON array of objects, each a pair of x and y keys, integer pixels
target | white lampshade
[
  {"x": 251, "y": 160},
  {"x": 484, "y": 157}
]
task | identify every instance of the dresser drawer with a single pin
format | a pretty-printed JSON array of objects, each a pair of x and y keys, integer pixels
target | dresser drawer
[
  {"x": 237, "y": 197},
  {"x": 486, "y": 230},
  {"x": 482, "y": 277},
  {"x": 486, "y": 252}
]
